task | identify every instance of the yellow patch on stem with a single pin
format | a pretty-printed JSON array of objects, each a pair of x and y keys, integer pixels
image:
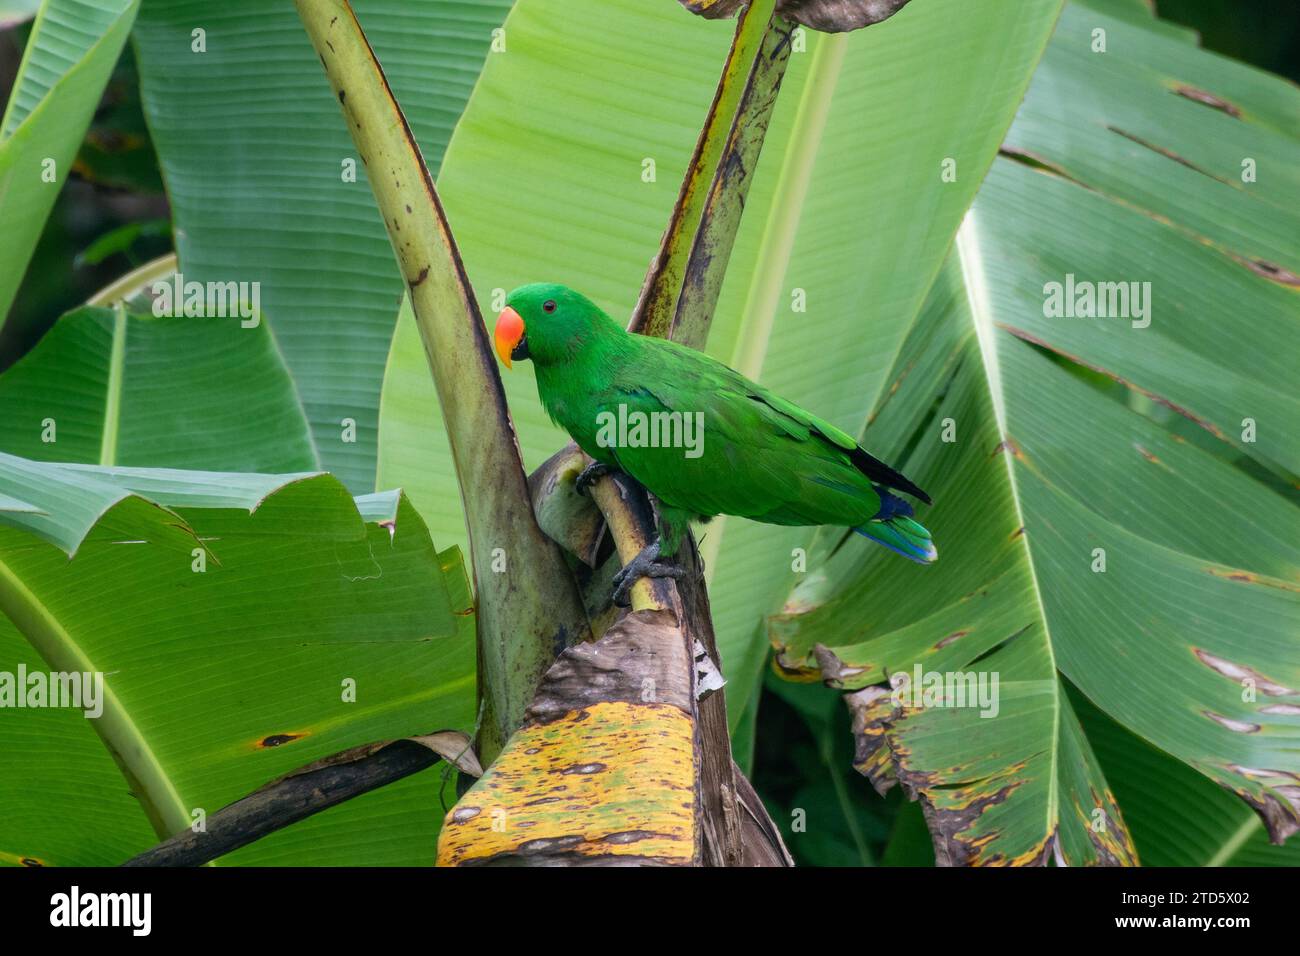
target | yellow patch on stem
[{"x": 613, "y": 779}]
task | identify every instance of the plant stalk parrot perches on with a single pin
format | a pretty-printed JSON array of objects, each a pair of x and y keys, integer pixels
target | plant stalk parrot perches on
[{"x": 701, "y": 438}]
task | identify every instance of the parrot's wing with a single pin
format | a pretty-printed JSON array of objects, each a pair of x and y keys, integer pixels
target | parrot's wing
[
  {"x": 750, "y": 459},
  {"x": 698, "y": 371},
  {"x": 869, "y": 465}
]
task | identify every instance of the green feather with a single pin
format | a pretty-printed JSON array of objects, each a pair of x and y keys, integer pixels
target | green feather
[{"x": 903, "y": 536}]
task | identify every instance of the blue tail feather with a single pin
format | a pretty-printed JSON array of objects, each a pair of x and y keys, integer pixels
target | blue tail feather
[
  {"x": 900, "y": 534},
  {"x": 891, "y": 506}
]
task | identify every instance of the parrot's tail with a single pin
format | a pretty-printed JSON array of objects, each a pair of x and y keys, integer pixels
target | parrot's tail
[{"x": 902, "y": 535}]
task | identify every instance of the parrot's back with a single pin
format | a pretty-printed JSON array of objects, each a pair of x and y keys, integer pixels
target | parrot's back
[{"x": 706, "y": 441}]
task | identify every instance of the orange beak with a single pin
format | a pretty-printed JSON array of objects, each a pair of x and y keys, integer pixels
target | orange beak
[{"x": 509, "y": 333}]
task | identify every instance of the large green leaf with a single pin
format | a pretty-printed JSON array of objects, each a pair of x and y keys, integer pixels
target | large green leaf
[
  {"x": 219, "y": 677},
  {"x": 856, "y": 231},
  {"x": 1176, "y": 816},
  {"x": 113, "y": 384},
  {"x": 1077, "y": 534},
  {"x": 847, "y": 204},
  {"x": 67, "y": 61},
  {"x": 253, "y": 152}
]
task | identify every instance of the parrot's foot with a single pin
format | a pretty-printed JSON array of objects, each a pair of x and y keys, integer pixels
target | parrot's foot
[
  {"x": 589, "y": 475},
  {"x": 645, "y": 565}
]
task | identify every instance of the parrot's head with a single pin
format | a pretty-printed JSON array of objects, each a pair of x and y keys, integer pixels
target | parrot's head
[{"x": 548, "y": 323}]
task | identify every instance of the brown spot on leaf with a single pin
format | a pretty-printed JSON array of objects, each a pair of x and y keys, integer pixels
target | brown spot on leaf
[
  {"x": 1272, "y": 272},
  {"x": 541, "y": 800},
  {"x": 1236, "y": 726},
  {"x": 1282, "y": 710},
  {"x": 634, "y": 836},
  {"x": 277, "y": 740},
  {"x": 1240, "y": 672},
  {"x": 833, "y": 670},
  {"x": 1209, "y": 99},
  {"x": 548, "y": 844},
  {"x": 584, "y": 769},
  {"x": 1008, "y": 445},
  {"x": 954, "y": 636},
  {"x": 1278, "y": 803},
  {"x": 948, "y": 824},
  {"x": 1167, "y": 153},
  {"x": 1037, "y": 163},
  {"x": 1247, "y": 577}
]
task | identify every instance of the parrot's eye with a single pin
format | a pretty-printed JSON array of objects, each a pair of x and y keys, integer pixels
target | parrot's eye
[{"x": 548, "y": 306}]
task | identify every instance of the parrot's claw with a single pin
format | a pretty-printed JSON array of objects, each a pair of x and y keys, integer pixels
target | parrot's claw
[
  {"x": 645, "y": 565},
  {"x": 591, "y": 474}
]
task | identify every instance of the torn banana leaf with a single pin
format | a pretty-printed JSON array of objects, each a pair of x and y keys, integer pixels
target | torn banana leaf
[{"x": 242, "y": 626}]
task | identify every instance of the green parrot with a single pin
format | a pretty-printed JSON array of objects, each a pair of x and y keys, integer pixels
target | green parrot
[{"x": 699, "y": 436}]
